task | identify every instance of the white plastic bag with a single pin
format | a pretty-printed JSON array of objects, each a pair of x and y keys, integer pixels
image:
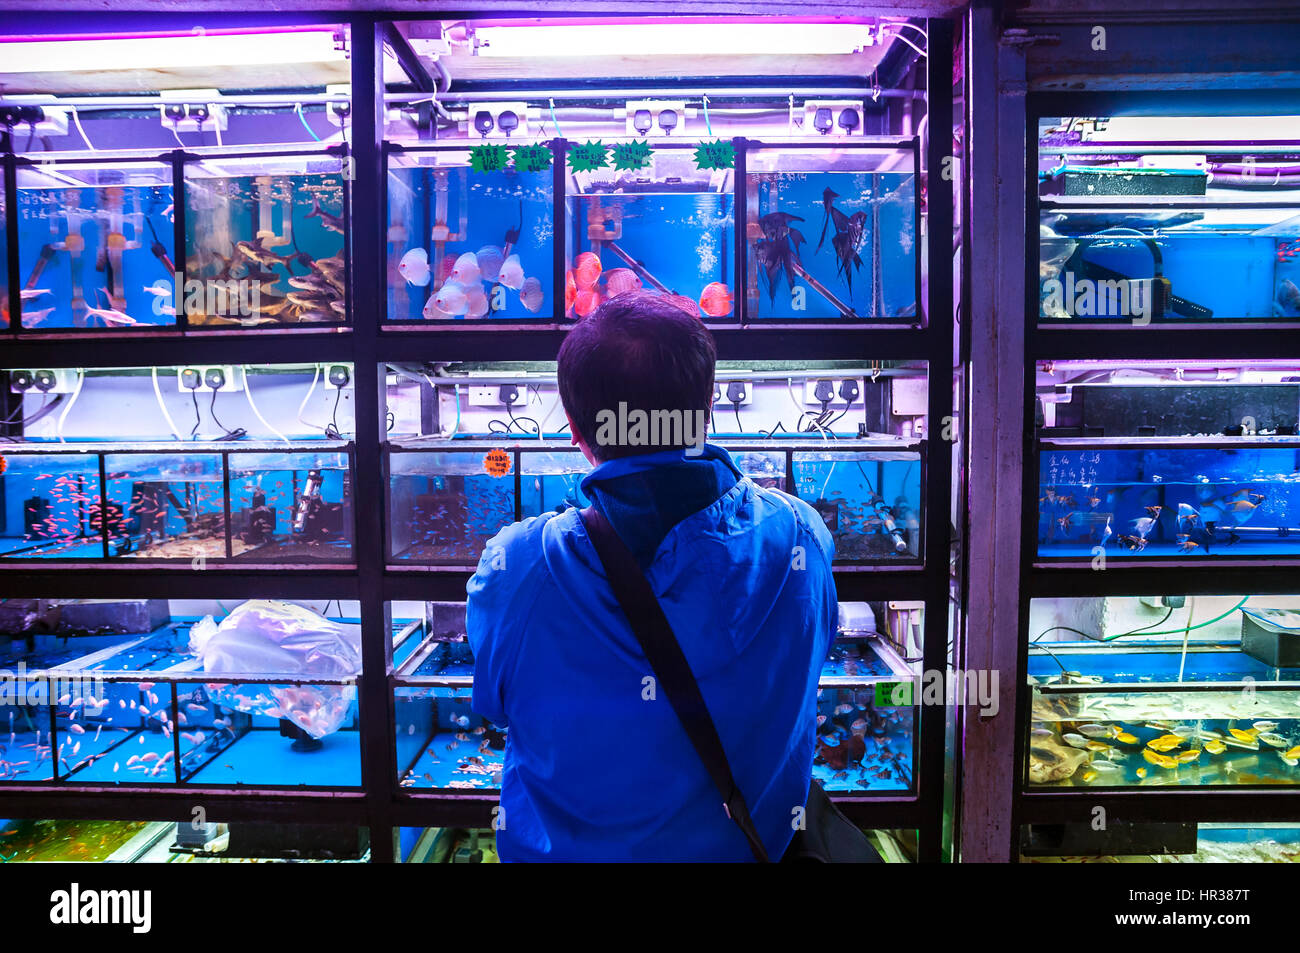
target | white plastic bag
[{"x": 262, "y": 637}]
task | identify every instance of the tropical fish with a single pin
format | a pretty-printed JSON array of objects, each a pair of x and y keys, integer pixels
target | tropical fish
[
  {"x": 1074, "y": 740},
  {"x": 570, "y": 291},
  {"x": 1241, "y": 506},
  {"x": 1187, "y": 515},
  {"x": 1088, "y": 774},
  {"x": 255, "y": 251},
  {"x": 1292, "y": 753},
  {"x": 1154, "y": 511},
  {"x": 1132, "y": 543},
  {"x": 512, "y": 273},
  {"x": 716, "y": 300},
  {"x": 466, "y": 270},
  {"x": 1127, "y": 738},
  {"x": 1141, "y": 772},
  {"x": 1264, "y": 725},
  {"x": 530, "y": 295},
  {"x": 1095, "y": 731},
  {"x": 332, "y": 222},
  {"x": 476, "y": 302},
  {"x": 1188, "y": 756},
  {"x": 828, "y": 203},
  {"x": 586, "y": 270},
  {"x": 414, "y": 267},
  {"x": 686, "y": 304},
  {"x": 1097, "y": 746},
  {"x": 1273, "y": 740},
  {"x": 1215, "y": 746},
  {"x": 1186, "y": 545},
  {"x": 1159, "y": 760},
  {"x": 1144, "y": 525},
  {"x": 587, "y": 301},
  {"x": 1106, "y": 532},
  {"x": 33, "y": 318},
  {"x": 778, "y": 250},
  {"x": 619, "y": 280},
  {"x": 1288, "y": 296},
  {"x": 27, "y": 294},
  {"x": 490, "y": 259}
]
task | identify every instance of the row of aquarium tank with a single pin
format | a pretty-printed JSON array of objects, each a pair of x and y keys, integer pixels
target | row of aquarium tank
[
  {"x": 230, "y": 238},
  {"x": 264, "y": 693},
  {"x": 1186, "y": 461},
  {"x": 254, "y": 465},
  {"x": 1142, "y": 221},
  {"x": 1159, "y": 691}
]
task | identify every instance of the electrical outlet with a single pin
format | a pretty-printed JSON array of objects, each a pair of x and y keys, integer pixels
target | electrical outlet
[
  {"x": 732, "y": 389},
  {"x": 814, "y": 399},
  {"x": 44, "y": 380},
  {"x": 338, "y": 376},
  {"x": 193, "y": 110},
  {"x": 484, "y": 395},
  {"x": 498, "y": 120},
  {"x": 656, "y": 117},
  {"x": 206, "y": 378},
  {"x": 832, "y": 117}
]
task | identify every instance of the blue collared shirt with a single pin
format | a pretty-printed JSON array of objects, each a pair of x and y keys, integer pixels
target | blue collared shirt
[{"x": 597, "y": 767}]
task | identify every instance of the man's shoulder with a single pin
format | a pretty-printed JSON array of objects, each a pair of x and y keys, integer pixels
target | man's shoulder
[
  {"x": 806, "y": 518},
  {"x": 514, "y": 560}
]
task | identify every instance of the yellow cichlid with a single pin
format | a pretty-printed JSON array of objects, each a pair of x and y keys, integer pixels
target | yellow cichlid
[
  {"x": 1245, "y": 737},
  {"x": 1141, "y": 772},
  {"x": 1089, "y": 775},
  {"x": 1098, "y": 746},
  {"x": 1215, "y": 747},
  {"x": 1127, "y": 738},
  {"x": 1186, "y": 757},
  {"x": 1159, "y": 760},
  {"x": 1292, "y": 754}
]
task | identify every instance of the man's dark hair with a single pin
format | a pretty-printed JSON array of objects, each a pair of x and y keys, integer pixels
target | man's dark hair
[{"x": 641, "y": 350}]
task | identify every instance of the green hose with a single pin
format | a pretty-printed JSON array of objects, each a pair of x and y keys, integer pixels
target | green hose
[{"x": 1199, "y": 625}]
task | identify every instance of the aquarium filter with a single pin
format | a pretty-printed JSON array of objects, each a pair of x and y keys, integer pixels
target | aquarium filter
[{"x": 1272, "y": 636}]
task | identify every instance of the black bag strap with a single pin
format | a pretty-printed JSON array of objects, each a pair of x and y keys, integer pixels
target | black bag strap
[{"x": 661, "y": 648}]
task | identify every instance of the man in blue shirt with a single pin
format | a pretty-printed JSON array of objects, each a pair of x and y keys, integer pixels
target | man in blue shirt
[{"x": 597, "y": 766}]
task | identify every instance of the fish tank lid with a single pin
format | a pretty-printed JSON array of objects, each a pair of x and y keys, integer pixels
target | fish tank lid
[{"x": 175, "y": 446}]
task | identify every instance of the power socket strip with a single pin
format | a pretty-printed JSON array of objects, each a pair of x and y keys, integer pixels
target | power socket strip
[
  {"x": 200, "y": 378},
  {"x": 810, "y": 392},
  {"x": 44, "y": 380}
]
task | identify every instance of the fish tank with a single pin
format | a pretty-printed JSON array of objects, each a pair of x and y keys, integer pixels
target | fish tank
[
  {"x": 1158, "y": 691},
  {"x": 5, "y": 304},
  {"x": 865, "y": 738},
  {"x": 96, "y": 243},
  {"x": 257, "y": 503},
  {"x": 448, "y": 498},
  {"x": 667, "y": 227},
  {"x": 1142, "y": 220},
  {"x": 122, "y": 692},
  {"x": 466, "y": 242},
  {"x": 1184, "y": 499},
  {"x": 869, "y": 499},
  {"x": 831, "y": 234},
  {"x": 266, "y": 238},
  {"x": 1193, "y": 843}
]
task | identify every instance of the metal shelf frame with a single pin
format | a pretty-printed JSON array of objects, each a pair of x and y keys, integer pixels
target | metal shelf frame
[
  {"x": 381, "y": 804},
  {"x": 1039, "y": 579}
]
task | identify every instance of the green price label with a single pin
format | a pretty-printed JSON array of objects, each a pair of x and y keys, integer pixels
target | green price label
[
  {"x": 715, "y": 155},
  {"x": 632, "y": 155},
  {"x": 532, "y": 158},
  {"x": 895, "y": 694},
  {"x": 588, "y": 156},
  {"x": 488, "y": 158}
]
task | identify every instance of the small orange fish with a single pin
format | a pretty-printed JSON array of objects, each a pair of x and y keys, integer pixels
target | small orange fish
[
  {"x": 716, "y": 300},
  {"x": 586, "y": 270},
  {"x": 621, "y": 280},
  {"x": 570, "y": 291},
  {"x": 586, "y": 301}
]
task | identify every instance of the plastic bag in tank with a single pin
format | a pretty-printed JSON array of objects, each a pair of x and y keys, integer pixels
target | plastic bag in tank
[{"x": 262, "y": 637}]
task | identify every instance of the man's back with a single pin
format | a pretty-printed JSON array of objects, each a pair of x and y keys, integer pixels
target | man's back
[{"x": 597, "y": 766}]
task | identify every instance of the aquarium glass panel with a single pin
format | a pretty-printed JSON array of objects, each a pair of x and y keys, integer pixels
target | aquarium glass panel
[
  {"x": 291, "y": 507},
  {"x": 166, "y": 506},
  {"x": 445, "y": 505},
  {"x": 832, "y": 234},
  {"x": 266, "y": 241},
  {"x": 95, "y": 245},
  {"x": 51, "y": 506},
  {"x": 1164, "y": 498},
  {"x": 870, "y": 501},
  {"x": 468, "y": 243},
  {"x": 862, "y": 747},
  {"x": 550, "y": 481},
  {"x": 668, "y": 227},
  {"x": 1140, "y": 222},
  {"x": 442, "y": 743}
]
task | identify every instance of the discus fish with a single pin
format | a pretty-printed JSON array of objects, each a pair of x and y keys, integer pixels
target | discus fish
[
  {"x": 490, "y": 259},
  {"x": 530, "y": 295},
  {"x": 466, "y": 270},
  {"x": 512, "y": 273},
  {"x": 716, "y": 300},
  {"x": 414, "y": 267},
  {"x": 586, "y": 270},
  {"x": 619, "y": 281}
]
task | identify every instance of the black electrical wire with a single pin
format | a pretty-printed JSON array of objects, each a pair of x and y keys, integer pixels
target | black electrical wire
[
  {"x": 229, "y": 434},
  {"x": 194, "y": 396},
  {"x": 332, "y": 429},
  {"x": 736, "y": 407},
  {"x": 1098, "y": 638}
]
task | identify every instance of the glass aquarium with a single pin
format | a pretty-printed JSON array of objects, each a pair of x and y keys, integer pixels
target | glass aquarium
[
  {"x": 832, "y": 233},
  {"x": 1142, "y": 222},
  {"x": 869, "y": 499},
  {"x": 258, "y": 503},
  {"x": 126, "y": 692},
  {"x": 96, "y": 245},
  {"x": 290, "y": 507},
  {"x": 468, "y": 243},
  {"x": 667, "y": 227},
  {"x": 1159, "y": 691},
  {"x": 865, "y": 739},
  {"x": 1187, "y": 499},
  {"x": 266, "y": 239}
]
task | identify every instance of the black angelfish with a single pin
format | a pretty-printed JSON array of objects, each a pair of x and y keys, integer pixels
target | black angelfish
[{"x": 778, "y": 250}]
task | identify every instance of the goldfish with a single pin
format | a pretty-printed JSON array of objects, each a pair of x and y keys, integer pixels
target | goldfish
[
  {"x": 586, "y": 270},
  {"x": 716, "y": 300},
  {"x": 587, "y": 301},
  {"x": 466, "y": 270},
  {"x": 621, "y": 280},
  {"x": 530, "y": 295},
  {"x": 512, "y": 273},
  {"x": 414, "y": 267},
  {"x": 490, "y": 259}
]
